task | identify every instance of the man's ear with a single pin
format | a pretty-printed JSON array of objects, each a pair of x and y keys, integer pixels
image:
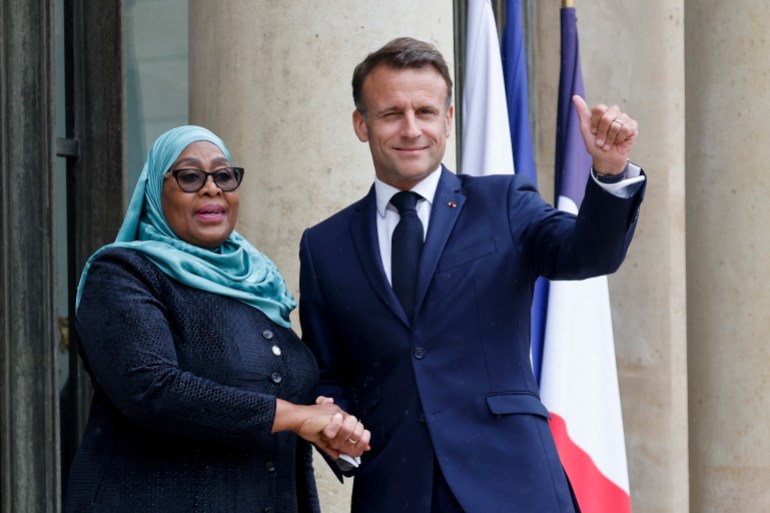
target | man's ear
[
  {"x": 359, "y": 125},
  {"x": 448, "y": 121}
]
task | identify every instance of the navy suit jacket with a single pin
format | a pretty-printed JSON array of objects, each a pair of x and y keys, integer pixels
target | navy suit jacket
[{"x": 455, "y": 383}]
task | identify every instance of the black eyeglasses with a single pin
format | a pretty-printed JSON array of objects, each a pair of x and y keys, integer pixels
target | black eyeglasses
[{"x": 191, "y": 179}]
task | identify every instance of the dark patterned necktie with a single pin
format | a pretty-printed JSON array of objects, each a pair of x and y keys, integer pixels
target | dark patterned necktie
[{"x": 406, "y": 247}]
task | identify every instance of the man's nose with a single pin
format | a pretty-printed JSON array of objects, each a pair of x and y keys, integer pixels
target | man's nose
[{"x": 410, "y": 128}]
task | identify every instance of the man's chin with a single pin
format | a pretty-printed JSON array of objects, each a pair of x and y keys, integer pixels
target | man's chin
[{"x": 417, "y": 172}]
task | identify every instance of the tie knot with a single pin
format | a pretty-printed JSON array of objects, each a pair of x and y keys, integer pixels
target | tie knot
[{"x": 405, "y": 200}]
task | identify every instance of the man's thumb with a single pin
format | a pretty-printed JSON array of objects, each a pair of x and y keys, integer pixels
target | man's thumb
[{"x": 584, "y": 114}]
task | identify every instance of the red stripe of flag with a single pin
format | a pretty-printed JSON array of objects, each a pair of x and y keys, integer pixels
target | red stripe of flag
[{"x": 595, "y": 492}]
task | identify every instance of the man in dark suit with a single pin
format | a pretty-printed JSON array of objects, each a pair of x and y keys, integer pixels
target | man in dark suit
[{"x": 428, "y": 342}]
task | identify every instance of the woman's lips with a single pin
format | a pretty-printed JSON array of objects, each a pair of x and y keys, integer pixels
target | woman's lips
[{"x": 210, "y": 213}]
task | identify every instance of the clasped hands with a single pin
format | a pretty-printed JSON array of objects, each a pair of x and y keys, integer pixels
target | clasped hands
[
  {"x": 608, "y": 133},
  {"x": 325, "y": 425},
  {"x": 343, "y": 434}
]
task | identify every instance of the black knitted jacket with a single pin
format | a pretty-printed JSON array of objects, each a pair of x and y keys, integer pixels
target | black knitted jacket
[{"x": 185, "y": 385}]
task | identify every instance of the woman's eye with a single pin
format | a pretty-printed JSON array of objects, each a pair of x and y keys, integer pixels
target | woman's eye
[{"x": 188, "y": 177}]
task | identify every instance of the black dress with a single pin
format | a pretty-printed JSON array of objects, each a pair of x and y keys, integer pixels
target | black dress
[{"x": 185, "y": 386}]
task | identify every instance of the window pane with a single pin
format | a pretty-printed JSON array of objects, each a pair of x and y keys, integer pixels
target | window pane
[{"x": 156, "y": 51}]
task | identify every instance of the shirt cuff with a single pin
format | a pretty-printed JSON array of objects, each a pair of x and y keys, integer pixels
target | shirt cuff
[
  {"x": 626, "y": 186},
  {"x": 347, "y": 463}
]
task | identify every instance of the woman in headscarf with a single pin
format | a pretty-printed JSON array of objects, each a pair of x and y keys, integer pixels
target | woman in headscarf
[{"x": 202, "y": 392}]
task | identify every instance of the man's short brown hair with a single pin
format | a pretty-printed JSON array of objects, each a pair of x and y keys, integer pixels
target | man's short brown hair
[{"x": 400, "y": 53}]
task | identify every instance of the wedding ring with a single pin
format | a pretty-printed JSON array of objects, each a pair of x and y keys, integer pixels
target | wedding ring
[
  {"x": 617, "y": 120},
  {"x": 351, "y": 441}
]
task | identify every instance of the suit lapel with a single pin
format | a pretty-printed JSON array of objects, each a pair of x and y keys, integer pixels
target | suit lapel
[
  {"x": 363, "y": 229},
  {"x": 447, "y": 205}
]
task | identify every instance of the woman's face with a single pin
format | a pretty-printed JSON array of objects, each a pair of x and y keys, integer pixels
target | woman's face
[{"x": 207, "y": 217}]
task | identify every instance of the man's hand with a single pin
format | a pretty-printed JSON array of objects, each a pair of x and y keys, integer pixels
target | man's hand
[
  {"x": 608, "y": 133},
  {"x": 343, "y": 434},
  {"x": 325, "y": 425}
]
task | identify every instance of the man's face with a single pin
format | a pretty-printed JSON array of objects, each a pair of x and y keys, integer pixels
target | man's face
[{"x": 406, "y": 123}]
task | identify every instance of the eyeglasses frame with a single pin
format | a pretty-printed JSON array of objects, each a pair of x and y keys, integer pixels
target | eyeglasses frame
[{"x": 238, "y": 171}]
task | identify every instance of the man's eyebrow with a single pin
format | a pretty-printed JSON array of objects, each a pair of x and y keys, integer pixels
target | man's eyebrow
[{"x": 389, "y": 108}]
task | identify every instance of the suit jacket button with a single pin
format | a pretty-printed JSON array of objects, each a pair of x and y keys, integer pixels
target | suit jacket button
[
  {"x": 276, "y": 377},
  {"x": 268, "y": 334},
  {"x": 270, "y": 466},
  {"x": 419, "y": 353}
]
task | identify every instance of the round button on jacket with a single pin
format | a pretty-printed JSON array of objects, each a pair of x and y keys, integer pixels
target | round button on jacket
[
  {"x": 268, "y": 334},
  {"x": 419, "y": 353},
  {"x": 276, "y": 377}
]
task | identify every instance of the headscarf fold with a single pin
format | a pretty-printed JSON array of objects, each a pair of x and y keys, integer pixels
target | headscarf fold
[{"x": 235, "y": 269}]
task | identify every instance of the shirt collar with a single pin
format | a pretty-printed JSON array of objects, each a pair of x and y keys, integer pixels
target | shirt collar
[{"x": 425, "y": 188}]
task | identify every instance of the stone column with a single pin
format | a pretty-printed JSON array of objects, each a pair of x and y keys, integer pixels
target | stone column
[
  {"x": 728, "y": 250},
  {"x": 29, "y": 461},
  {"x": 633, "y": 55},
  {"x": 273, "y": 79}
]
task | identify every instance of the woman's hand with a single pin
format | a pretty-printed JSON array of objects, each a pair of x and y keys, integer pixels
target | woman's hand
[{"x": 325, "y": 425}]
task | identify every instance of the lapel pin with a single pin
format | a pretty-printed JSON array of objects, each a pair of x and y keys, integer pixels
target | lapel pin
[{"x": 452, "y": 204}]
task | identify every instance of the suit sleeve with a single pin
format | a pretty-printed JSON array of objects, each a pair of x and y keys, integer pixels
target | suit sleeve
[
  {"x": 562, "y": 246},
  {"x": 130, "y": 354},
  {"x": 319, "y": 334}
]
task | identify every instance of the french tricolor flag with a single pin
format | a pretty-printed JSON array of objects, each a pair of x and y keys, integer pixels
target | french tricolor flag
[
  {"x": 573, "y": 351},
  {"x": 578, "y": 378}
]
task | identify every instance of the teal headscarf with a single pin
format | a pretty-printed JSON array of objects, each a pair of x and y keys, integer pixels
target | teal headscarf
[{"x": 235, "y": 269}]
